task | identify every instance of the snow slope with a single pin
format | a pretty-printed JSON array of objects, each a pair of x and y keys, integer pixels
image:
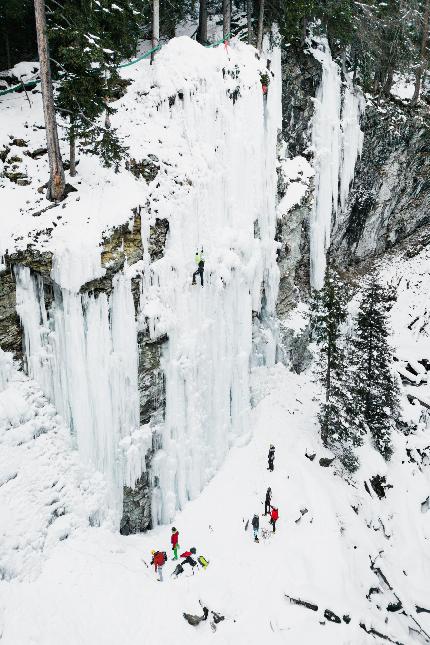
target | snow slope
[{"x": 96, "y": 588}]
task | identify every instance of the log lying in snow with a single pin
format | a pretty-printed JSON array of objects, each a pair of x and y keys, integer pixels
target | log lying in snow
[
  {"x": 303, "y": 603},
  {"x": 326, "y": 461},
  {"x": 411, "y": 396},
  {"x": 406, "y": 374},
  {"x": 303, "y": 511},
  {"x": 331, "y": 616},
  {"x": 374, "y": 632}
]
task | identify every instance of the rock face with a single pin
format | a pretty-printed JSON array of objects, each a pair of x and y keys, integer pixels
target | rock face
[
  {"x": 390, "y": 195},
  {"x": 10, "y": 328},
  {"x": 123, "y": 244},
  {"x": 301, "y": 75}
]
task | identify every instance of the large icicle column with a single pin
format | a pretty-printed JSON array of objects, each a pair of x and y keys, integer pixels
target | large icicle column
[
  {"x": 337, "y": 142},
  {"x": 224, "y": 132},
  {"x": 84, "y": 356}
]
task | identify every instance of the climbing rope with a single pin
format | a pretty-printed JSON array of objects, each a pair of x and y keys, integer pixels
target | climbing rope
[{"x": 32, "y": 84}]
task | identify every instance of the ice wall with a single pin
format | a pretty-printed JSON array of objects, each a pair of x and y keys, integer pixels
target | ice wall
[
  {"x": 228, "y": 147},
  {"x": 84, "y": 356},
  {"x": 202, "y": 113},
  {"x": 337, "y": 142}
]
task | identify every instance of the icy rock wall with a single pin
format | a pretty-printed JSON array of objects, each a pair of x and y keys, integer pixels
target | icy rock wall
[
  {"x": 84, "y": 356},
  {"x": 337, "y": 142},
  {"x": 227, "y": 142}
]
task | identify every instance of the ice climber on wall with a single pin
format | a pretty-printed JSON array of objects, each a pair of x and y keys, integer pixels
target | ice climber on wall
[{"x": 200, "y": 261}]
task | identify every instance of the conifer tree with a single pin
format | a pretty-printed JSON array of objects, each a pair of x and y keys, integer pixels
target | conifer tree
[
  {"x": 90, "y": 40},
  {"x": 56, "y": 184},
  {"x": 374, "y": 387},
  {"x": 341, "y": 429}
]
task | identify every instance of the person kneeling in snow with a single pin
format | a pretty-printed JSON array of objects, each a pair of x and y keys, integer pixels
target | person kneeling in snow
[{"x": 188, "y": 558}]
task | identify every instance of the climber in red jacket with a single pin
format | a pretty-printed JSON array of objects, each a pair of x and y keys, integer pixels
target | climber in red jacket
[
  {"x": 174, "y": 540},
  {"x": 274, "y": 517},
  {"x": 158, "y": 560}
]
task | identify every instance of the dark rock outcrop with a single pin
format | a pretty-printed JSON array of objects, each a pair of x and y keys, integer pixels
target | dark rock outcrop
[
  {"x": 119, "y": 246},
  {"x": 390, "y": 196}
]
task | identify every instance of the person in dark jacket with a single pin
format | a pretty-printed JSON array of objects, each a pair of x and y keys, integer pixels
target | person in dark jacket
[
  {"x": 200, "y": 261},
  {"x": 268, "y": 499},
  {"x": 174, "y": 540},
  {"x": 255, "y": 525},
  {"x": 271, "y": 457}
]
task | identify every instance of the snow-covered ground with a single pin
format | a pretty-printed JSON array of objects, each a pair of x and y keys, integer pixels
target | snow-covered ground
[
  {"x": 337, "y": 545},
  {"x": 95, "y": 586}
]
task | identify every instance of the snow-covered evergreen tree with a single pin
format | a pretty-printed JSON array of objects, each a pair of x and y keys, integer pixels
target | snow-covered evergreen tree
[
  {"x": 341, "y": 427},
  {"x": 90, "y": 40},
  {"x": 374, "y": 388}
]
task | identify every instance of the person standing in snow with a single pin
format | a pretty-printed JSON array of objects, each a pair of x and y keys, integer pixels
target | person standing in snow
[
  {"x": 174, "y": 540},
  {"x": 274, "y": 518},
  {"x": 158, "y": 560},
  {"x": 268, "y": 499},
  {"x": 199, "y": 260},
  {"x": 271, "y": 457},
  {"x": 255, "y": 525}
]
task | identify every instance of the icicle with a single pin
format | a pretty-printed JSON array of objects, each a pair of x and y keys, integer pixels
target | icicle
[
  {"x": 84, "y": 356},
  {"x": 352, "y": 137},
  {"x": 5, "y": 369},
  {"x": 337, "y": 142},
  {"x": 326, "y": 141}
]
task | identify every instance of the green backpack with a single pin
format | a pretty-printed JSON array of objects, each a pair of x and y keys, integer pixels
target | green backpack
[{"x": 203, "y": 561}]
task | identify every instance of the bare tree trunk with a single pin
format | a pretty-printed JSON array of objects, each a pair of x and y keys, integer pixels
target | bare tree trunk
[
  {"x": 57, "y": 182},
  {"x": 423, "y": 61},
  {"x": 226, "y": 8},
  {"x": 260, "y": 26},
  {"x": 72, "y": 144},
  {"x": 155, "y": 26},
  {"x": 249, "y": 4},
  {"x": 202, "y": 32}
]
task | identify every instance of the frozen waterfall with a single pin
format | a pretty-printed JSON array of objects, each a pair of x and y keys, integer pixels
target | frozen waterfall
[
  {"x": 229, "y": 210},
  {"x": 218, "y": 192},
  {"x": 337, "y": 142},
  {"x": 84, "y": 356}
]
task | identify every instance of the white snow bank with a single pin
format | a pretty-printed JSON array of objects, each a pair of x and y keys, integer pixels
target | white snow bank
[
  {"x": 45, "y": 493},
  {"x": 98, "y": 584}
]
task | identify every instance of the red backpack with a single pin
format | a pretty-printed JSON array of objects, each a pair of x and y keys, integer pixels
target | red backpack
[{"x": 275, "y": 514}]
